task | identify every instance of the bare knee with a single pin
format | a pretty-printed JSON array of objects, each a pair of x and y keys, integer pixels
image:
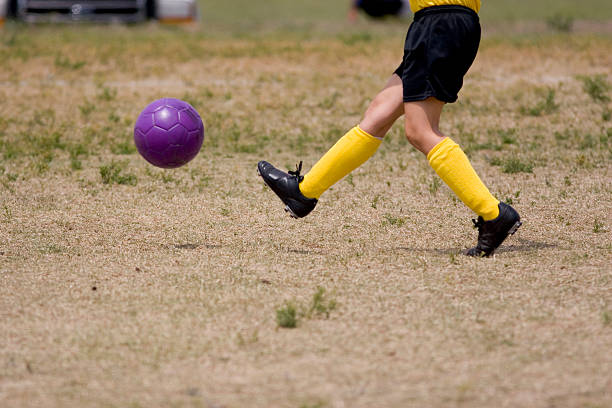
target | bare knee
[
  {"x": 380, "y": 116},
  {"x": 422, "y": 138},
  {"x": 421, "y": 123},
  {"x": 413, "y": 132}
]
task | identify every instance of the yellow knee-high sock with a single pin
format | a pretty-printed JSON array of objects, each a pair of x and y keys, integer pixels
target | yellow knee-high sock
[
  {"x": 453, "y": 166},
  {"x": 350, "y": 152}
]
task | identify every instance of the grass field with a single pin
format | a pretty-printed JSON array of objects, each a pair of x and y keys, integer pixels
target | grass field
[
  {"x": 124, "y": 285},
  {"x": 219, "y": 13}
]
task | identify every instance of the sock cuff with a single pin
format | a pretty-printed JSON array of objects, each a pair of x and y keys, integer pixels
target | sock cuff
[
  {"x": 358, "y": 130},
  {"x": 441, "y": 148}
]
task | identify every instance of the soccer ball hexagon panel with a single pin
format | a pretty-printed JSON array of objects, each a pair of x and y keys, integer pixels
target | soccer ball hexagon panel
[{"x": 169, "y": 133}]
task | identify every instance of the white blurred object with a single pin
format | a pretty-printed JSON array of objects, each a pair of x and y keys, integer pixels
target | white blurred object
[
  {"x": 3, "y": 10},
  {"x": 176, "y": 11}
]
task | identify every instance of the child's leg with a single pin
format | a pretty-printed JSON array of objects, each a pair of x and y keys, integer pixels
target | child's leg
[
  {"x": 447, "y": 158},
  {"x": 359, "y": 144}
]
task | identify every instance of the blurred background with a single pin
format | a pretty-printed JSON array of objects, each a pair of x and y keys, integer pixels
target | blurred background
[
  {"x": 242, "y": 17},
  {"x": 219, "y": 14}
]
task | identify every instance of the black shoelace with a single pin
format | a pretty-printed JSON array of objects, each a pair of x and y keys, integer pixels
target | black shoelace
[
  {"x": 479, "y": 223},
  {"x": 296, "y": 173}
]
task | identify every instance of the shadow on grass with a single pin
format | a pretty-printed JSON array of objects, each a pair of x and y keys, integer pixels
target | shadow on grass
[
  {"x": 303, "y": 251},
  {"x": 525, "y": 245},
  {"x": 196, "y": 246}
]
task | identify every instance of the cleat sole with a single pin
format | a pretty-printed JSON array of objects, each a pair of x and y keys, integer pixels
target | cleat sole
[
  {"x": 514, "y": 227},
  {"x": 291, "y": 213}
]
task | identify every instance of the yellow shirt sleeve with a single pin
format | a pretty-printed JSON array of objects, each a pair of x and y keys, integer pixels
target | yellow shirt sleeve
[{"x": 416, "y": 5}]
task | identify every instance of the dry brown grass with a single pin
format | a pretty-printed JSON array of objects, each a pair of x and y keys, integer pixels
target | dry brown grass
[{"x": 165, "y": 293}]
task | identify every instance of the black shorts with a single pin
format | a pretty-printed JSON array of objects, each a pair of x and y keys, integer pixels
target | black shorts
[{"x": 440, "y": 47}]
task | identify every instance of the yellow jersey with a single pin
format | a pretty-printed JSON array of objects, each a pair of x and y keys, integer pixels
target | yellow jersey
[{"x": 416, "y": 5}]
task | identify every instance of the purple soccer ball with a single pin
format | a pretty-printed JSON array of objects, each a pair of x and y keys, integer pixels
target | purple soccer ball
[{"x": 169, "y": 133}]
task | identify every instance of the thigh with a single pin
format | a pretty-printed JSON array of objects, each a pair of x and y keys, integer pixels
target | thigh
[
  {"x": 384, "y": 109},
  {"x": 389, "y": 101}
]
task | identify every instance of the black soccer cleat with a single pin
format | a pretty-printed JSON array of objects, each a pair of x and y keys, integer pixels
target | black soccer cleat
[
  {"x": 492, "y": 233},
  {"x": 286, "y": 187}
]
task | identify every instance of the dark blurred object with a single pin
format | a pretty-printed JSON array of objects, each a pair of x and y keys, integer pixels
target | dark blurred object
[
  {"x": 125, "y": 11},
  {"x": 379, "y": 8}
]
